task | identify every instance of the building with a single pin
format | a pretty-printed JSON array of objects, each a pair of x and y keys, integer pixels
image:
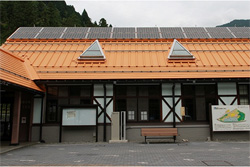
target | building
[{"x": 151, "y": 73}]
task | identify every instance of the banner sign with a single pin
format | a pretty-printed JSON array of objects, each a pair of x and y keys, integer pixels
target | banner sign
[{"x": 231, "y": 118}]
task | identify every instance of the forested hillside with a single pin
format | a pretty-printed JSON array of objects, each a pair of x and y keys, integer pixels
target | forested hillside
[
  {"x": 237, "y": 23},
  {"x": 16, "y": 14}
]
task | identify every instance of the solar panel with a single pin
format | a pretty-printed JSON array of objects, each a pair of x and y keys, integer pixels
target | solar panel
[
  {"x": 129, "y": 32},
  {"x": 76, "y": 30},
  {"x": 124, "y": 32},
  {"x": 240, "y": 29},
  {"x": 29, "y": 29},
  {"x": 242, "y": 35},
  {"x": 195, "y": 32},
  {"x": 123, "y": 35},
  {"x": 53, "y": 30},
  {"x": 219, "y": 32},
  {"x": 23, "y": 35},
  {"x": 99, "y": 32},
  {"x": 240, "y": 32},
  {"x": 75, "y": 33},
  {"x": 194, "y": 29},
  {"x": 51, "y": 33},
  {"x": 26, "y": 33},
  {"x": 168, "y": 30},
  {"x": 171, "y": 32},
  {"x": 98, "y": 35},
  {"x": 149, "y": 32}
]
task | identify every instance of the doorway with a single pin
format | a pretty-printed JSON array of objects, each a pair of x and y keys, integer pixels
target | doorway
[{"x": 6, "y": 121}]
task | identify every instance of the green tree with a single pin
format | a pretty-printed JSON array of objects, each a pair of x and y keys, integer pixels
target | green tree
[
  {"x": 53, "y": 16},
  {"x": 95, "y": 24},
  {"x": 43, "y": 15},
  {"x": 86, "y": 19},
  {"x": 72, "y": 21},
  {"x": 103, "y": 23}
]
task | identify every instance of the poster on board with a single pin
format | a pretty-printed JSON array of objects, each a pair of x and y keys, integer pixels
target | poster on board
[
  {"x": 231, "y": 118},
  {"x": 79, "y": 117}
]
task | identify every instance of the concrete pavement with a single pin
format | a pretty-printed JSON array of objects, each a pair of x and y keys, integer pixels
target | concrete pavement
[{"x": 131, "y": 154}]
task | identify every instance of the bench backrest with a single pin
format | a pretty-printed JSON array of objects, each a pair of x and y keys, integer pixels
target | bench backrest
[{"x": 159, "y": 132}]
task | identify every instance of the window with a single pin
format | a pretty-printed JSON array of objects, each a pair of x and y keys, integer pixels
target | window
[
  {"x": 142, "y": 103},
  {"x": 178, "y": 51},
  {"x": 93, "y": 52},
  {"x": 243, "y": 94},
  {"x": 131, "y": 115},
  {"x": 64, "y": 95},
  {"x": 196, "y": 100}
]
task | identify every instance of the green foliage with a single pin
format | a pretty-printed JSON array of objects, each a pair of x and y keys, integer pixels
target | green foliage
[
  {"x": 103, "y": 23},
  {"x": 16, "y": 14},
  {"x": 86, "y": 19},
  {"x": 237, "y": 23}
]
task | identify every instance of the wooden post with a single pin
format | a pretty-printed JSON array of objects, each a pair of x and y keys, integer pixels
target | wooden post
[
  {"x": 210, "y": 122},
  {"x": 16, "y": 119},
  {"x": 104, "y": 116},
  {"x": 173, "y": 108}
]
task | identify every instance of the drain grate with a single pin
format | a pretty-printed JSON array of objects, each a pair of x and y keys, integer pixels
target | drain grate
[{"x": 217, "y": 163}]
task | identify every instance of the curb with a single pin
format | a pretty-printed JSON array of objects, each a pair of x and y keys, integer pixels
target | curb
[{"x": 11, "y": 148}]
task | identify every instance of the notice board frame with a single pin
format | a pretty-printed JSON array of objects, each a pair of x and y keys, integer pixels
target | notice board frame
[
  {"x": 85, "y": 106},
  {"x": 211, "y": 121}
]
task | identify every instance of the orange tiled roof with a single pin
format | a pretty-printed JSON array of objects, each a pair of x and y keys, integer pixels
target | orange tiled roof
[
  {"x": 14, "y": 70},
  {"x": 51, "y": 59}
]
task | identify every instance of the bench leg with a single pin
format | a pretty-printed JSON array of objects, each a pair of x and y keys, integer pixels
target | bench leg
[
  {"x": 145, "y": 139},
  {"x": 174, "y": 138}
]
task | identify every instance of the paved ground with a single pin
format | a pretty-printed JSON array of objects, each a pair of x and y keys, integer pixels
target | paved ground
[{"x": 131, "y": 154}]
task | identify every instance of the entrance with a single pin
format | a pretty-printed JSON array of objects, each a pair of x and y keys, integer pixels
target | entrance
[
  {"x": 6, "y": 121},
  {"x": 24, "y": 129},
  {"x": 196, "y": 100}
]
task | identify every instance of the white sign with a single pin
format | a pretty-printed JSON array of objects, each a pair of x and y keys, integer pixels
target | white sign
[
  {"x": 231, "y": 118},
  {"x": 78, "y": 116}
]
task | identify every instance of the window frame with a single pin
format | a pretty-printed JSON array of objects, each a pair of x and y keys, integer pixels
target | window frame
[
  {"x": 57, "y": 98},
  {"x": 243, "y": 95},
  {"x": 137, "y": 96}
]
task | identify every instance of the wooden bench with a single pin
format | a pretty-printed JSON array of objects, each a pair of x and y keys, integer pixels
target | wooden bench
[{"x": 159, "y": 132}]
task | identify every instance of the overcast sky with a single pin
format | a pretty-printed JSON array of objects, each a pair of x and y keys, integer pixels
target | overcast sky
[{"x": 164, "y": 13}]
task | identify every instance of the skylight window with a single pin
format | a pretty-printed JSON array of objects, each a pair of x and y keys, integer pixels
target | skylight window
[
  {"x": 179, "y": 52},
  {"x": 93, "y": 52}
]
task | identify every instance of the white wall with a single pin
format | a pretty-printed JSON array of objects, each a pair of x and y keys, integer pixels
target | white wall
[
  {"x": 167, "y": 91},
  {"x": 99, "y": 91},
  {"x": 227, "y": 89}
]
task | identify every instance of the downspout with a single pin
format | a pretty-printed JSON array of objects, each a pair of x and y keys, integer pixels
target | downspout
[
  {"x": 104, "y": 117},
  {"x": 173, "y": 108}
]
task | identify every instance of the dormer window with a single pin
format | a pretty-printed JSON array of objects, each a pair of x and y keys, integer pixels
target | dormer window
[
  {"x": 93, "y": 52},
  {"x": 179, "y": 52}
]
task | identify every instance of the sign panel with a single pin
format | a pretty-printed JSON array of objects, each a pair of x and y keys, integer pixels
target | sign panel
[
  {"x": 231, "y": 118},
  {"x": 78, "y": 116}
]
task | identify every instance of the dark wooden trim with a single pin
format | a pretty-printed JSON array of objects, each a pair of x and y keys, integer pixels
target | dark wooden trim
[
  {"x": 211, "y": 122},
  {"x": 221, "y": 101},
  {"x": 233, "y": 100},
  {"x": 105, "y": 113},
  {"x": 171, "y": 109},
  {"x": 106, "y": 106},
  {"x": 166, "y": 102}
]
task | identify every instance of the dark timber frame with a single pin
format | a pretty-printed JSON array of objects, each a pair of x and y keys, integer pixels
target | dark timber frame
[{"x": 146, "y": 82}]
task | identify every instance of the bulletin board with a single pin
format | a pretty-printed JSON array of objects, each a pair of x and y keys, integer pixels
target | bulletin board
[
  {"x": 83, "y": 115},
  {"x": 79, "y": 117}
]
